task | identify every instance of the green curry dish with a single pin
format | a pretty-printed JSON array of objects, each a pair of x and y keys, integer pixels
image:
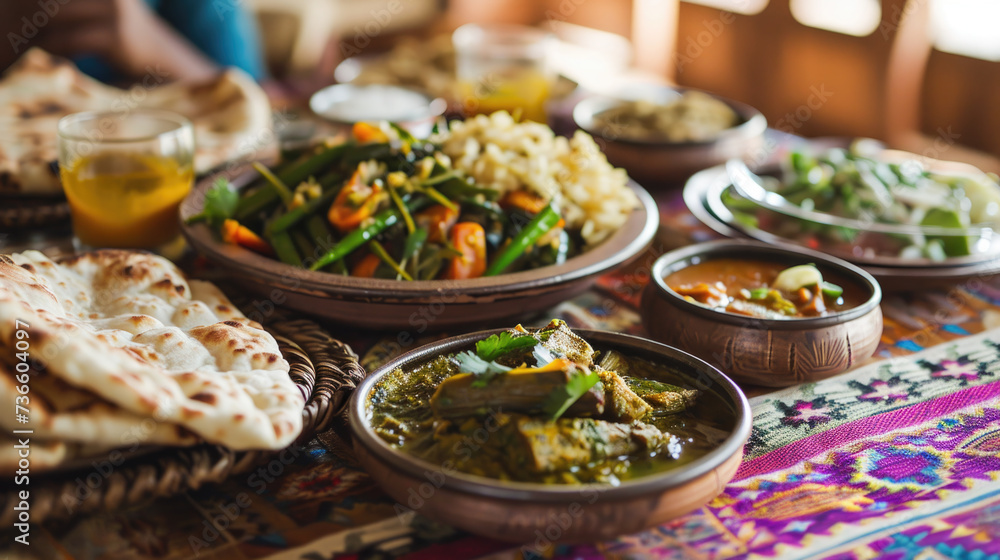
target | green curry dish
[{"x": 563, "y": 419}]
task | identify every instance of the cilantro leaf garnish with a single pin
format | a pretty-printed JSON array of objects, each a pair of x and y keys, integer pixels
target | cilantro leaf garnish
[
  {"x": 559, "y": 401},
  {"x": 495, "y": 346},
  {"x": 483, "y": 370},
  {"x": 220, "y": 204}
]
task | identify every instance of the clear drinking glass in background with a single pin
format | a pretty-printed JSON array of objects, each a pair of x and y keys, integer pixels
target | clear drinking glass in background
[
  {"x": 504, "y": 67},
  {"x": 125, "y": 173}
]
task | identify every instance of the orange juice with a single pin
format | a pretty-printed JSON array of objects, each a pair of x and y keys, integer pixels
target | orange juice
[
  {"x": 526, "y": 90},
  {"x": 126, "y": 200}
]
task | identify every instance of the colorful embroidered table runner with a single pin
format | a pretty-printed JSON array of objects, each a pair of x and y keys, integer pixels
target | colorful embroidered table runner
[{"x": 899, "y": 459}]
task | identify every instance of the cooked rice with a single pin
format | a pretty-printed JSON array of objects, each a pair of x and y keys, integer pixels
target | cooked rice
[{"x": 500, "y": 153}]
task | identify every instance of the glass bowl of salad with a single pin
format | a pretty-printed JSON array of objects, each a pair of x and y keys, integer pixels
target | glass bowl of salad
[{"x": 870, "y": 206}]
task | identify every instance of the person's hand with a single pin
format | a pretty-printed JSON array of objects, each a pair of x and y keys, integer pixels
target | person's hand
[{"x": 125, "y": 33}]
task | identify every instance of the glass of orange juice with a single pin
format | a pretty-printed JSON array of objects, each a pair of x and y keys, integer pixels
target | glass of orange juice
[
  {"x": 504, "y": 67},
  {"x": 125, "y": 173}
]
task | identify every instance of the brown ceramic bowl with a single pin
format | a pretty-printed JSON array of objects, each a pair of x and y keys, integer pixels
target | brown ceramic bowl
[
  {"x": 656, "y": 163},
  {"x": 419, "y": 306},
  {"x": 771, "y": 352},
  {"x": 538, "y": 513}
]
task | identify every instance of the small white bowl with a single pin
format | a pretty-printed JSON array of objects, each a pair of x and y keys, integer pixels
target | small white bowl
[{"x": 346, "y": 104}]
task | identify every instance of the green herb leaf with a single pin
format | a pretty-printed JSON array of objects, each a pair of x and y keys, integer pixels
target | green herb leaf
[
  {"x": 495, "y": 346},
  {"x": 220, "y": 204},
  {"x": 483, "y": 370},
  {"x": 559, "y": 401}
]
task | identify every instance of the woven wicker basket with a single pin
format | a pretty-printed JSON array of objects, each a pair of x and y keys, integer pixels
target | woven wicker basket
[
  {"x": 326, "y": 371},
  {"x": 17, "y": 214}
]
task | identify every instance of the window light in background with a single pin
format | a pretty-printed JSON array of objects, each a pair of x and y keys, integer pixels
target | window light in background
[
  {"x": 852, "y": 17},
  {"x": 966, "y": 27},
  {"x": 746, "y": 7}
]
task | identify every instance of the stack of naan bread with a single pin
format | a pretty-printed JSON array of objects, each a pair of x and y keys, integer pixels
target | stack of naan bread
[
  {"x": 231, "y": 116},
  {"x": 133, "y": 354}
]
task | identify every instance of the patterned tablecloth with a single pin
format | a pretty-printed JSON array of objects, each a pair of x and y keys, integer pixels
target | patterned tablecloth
[{"x": 899, "y": 458}]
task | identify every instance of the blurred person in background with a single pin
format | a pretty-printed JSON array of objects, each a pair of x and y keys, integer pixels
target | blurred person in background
[{"x": 120, "y": 41}]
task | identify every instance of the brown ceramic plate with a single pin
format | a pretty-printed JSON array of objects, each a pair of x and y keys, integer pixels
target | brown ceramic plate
[
  {"x": 518, "y": 511},
  {"x": 770, "y": 352},
  {"x": 422, "y": 305}
]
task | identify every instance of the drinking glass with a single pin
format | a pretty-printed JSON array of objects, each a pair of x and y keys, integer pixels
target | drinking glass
[
  {"x": 504, "y": 67},
  {"x": 125, "y": 173}
]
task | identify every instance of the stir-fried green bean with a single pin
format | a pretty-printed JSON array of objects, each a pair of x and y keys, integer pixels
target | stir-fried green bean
[
  {"x": 302, "y": 242},
  {"x": 294, "y": 173},
  {"x": 536, "y": 228},
  {"x": 284, "y": 248},
  {"x": 405, "y": 200},
  {"x": 439, "y": 198},
  {"x": 315, "y": 164},
  {"x": 403, "y": 211},
  {"x": 358, "y": 237},
  {"x": 279, "y": 186}
]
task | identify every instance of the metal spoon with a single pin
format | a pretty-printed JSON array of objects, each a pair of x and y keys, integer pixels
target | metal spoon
[{"x": 748, "y": 185}]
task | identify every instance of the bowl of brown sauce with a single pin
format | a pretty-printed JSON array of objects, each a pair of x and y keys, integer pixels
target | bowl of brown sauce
[{"x": 763, "y": 314}]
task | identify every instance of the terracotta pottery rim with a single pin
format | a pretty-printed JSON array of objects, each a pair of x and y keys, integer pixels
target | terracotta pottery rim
[
  {"x": 680, "y": 258},
  {"x": 418, "y": 469}
]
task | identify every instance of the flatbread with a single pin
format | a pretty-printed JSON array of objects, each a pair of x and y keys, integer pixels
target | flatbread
[
  {"x": 42, "y": 455},
  {"x": 128, "y": 328},
  {"x": 231, "y": 116},
  {"x": 61, "y": 412}
]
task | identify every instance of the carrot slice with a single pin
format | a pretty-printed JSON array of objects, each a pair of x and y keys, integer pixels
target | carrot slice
[
  {"x": 527, "y": 201},
  {"x": 437, "y": 220},
  {"x": 355, "y": 202},
  {"x": 366, "y": 133},
  {"x": 237, "y": 234},
  {"x": 366, "y": 266},
  {"x": 469, "y": 239}
]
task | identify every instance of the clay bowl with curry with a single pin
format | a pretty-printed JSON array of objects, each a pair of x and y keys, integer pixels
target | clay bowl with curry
[
  {"x": 550, "y": 434},
  {"x": 765, "y": 315}
]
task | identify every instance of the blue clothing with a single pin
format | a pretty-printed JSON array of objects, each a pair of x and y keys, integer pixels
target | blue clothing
[{"x": 222, "y": 29}]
